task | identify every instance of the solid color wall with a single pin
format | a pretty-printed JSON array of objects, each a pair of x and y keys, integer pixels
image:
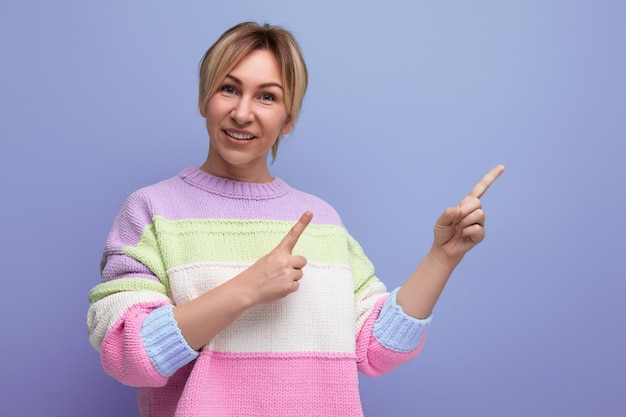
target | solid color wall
[{"x": 409, "y": 104}]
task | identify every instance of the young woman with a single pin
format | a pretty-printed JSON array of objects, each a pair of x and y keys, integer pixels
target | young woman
[{"x": 225, "y": 292}]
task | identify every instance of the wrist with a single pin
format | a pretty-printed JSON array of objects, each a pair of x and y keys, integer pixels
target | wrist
[
  {"x": 439, "y": 256},
  {"x": 241, "y": 294}
]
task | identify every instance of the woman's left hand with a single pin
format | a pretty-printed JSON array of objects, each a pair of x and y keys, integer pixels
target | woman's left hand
[{"x": 461, "y": 228}]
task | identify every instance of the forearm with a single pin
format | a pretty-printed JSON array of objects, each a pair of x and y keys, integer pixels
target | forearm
[
  {"x": 201, "y": 319},
  {"x": 457, "y": 231},
  {"x": 420, "y": 292}
]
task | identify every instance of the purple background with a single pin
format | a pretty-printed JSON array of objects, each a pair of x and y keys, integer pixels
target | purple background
[{"x": 408, "y": 106}]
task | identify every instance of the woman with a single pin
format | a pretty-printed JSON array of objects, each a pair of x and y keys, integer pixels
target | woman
[{"x": 228, "y": 293}]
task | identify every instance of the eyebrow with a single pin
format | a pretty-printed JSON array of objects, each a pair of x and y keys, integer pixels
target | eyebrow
[{"x": 264, "y": 85}]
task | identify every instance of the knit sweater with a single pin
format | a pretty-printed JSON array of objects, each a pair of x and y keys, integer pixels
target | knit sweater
[{"x": 297, "y": 356}]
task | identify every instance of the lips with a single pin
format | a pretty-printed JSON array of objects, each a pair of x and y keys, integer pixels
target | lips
[{"x": 239, "y": 136}]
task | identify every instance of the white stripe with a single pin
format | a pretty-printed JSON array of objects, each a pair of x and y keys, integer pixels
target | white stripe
[
  {"x": 319, "y": 317},
  {"x": 104, "y": 313}
]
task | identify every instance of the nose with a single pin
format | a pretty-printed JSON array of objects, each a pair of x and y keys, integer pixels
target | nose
[{"x": 242, "y": 111}]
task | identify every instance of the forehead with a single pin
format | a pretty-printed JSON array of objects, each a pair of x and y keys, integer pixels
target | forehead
[{"x": 258, "y": 67}]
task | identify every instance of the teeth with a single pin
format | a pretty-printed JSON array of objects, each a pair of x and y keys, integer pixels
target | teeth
[{"x": 239, "y": 135}]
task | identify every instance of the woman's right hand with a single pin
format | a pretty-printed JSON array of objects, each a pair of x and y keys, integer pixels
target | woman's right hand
[
  {"x": 270, "y": 278},
  {"x": 276, "y": 274}
]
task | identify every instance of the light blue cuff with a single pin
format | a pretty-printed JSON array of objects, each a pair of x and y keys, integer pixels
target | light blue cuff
[
  {"x": 167, "y": 348},
  {"x": 396, "y": 330}
]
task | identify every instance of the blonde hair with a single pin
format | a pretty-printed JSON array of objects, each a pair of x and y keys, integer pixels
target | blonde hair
[{"x": 236, "y": 43}]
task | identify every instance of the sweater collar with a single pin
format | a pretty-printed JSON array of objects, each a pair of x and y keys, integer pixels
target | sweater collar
[{"x": 232, "y": 188}]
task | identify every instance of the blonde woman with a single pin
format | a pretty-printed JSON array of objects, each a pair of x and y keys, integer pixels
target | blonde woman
[{"x": 225, "y": 292}]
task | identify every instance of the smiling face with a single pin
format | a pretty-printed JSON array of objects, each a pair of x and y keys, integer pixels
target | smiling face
[{"x": 245, "y": 117}]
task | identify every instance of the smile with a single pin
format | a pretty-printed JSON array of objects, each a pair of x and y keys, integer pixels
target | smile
[{"x": 239, "y": 136}]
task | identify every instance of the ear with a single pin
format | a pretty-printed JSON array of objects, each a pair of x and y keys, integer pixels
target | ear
[
  {"x": 287, "y": 126},
  {"x": 202, "y": 109}
]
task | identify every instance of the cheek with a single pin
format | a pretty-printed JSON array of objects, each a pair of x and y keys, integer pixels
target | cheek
[
  {"x": 206, "y": 108},
  {"x": 280, "y": 121},
  {"x": 212, "y": 116},
  {"x": 215, "y": 109},
  {"x": 208, "y": 121},
  {"x": 212, "y": 127}
]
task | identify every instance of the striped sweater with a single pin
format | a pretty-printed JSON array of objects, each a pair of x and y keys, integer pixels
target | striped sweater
[{"x": 297, "y": 356}]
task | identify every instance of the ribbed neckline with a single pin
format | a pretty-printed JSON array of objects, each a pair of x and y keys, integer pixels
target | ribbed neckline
[{"x": 232, "y": 188}]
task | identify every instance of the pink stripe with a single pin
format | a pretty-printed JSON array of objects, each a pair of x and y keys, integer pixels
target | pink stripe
[
  {"x": 284, "y": 385},
  {"x": 123, "y": 355},
  {"x": 372, "y": 357}
]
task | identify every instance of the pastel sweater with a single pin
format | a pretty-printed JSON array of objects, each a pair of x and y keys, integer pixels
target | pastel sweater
[{"x": 295, "y": 357}]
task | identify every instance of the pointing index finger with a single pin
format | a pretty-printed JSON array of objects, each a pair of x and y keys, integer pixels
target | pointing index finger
[
  {"x": 486, "y": 181},
  {"x": 291, "y": 238}
]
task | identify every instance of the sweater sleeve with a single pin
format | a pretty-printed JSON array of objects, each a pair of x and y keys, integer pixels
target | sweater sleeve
[
  {"x": 130, "y": 319},
  {"x": 386, "y": 336}
]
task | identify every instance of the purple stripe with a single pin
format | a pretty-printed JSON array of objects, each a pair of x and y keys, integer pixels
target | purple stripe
[{"x": 194, "y": 194}]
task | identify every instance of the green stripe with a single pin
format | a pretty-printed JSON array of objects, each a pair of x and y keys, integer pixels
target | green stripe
[
  {"x": 147, "y": 252},
  {"x": 127, "y": 284},
  {"x": 362, "y": 269},
  {"x": 188, "y": 241},
  {"x": 166, "y": 244}
]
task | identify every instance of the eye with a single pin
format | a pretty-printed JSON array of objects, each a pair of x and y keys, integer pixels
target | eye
[
  {"x": 229, "y": 89},
  {"x": 267, "y": 97}
]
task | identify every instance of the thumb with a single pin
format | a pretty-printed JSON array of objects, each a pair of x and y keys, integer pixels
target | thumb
[
  {"x": 450, "y": 216},
  {"x": 291, "y": 238}
]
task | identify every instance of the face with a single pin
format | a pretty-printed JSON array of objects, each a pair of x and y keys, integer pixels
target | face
[{"x": 244, "y": 118}]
